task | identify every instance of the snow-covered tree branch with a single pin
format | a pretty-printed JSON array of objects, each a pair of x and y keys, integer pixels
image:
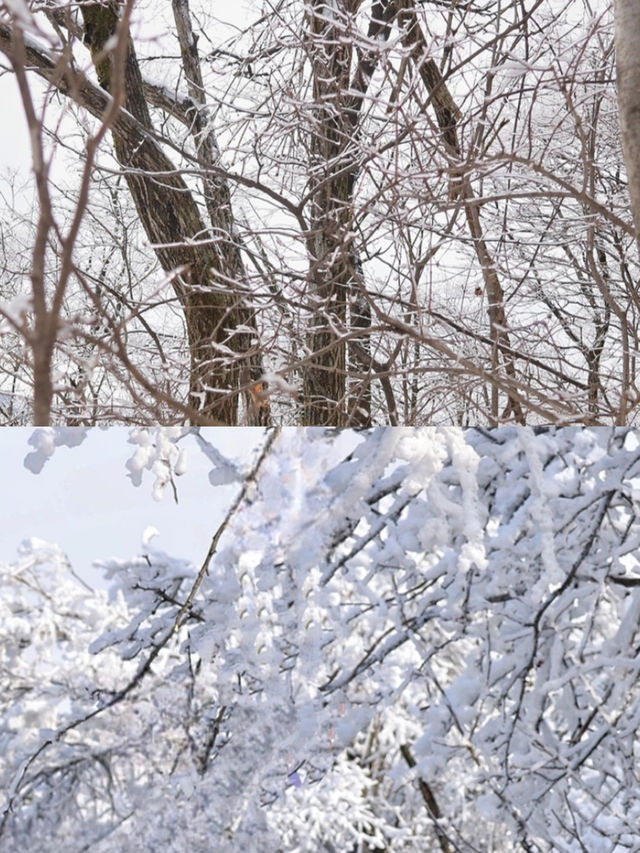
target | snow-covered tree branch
[
  {"x": 398, "y": 639},
  {"x": 326, "y": 214}
]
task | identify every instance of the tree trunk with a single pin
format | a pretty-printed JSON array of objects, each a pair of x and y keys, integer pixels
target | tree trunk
[
  {"x": 383, "y": 13},
  {"x": 337, "y": 302},
  {"x": 627, "y": 22},
  {"x": 331, "y": 237},
  {"x": 171, "y": 219},
  {"x": 218, "y": 202}
]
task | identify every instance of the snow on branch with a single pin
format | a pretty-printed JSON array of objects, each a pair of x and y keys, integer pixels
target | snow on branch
[{"x": 397, "y": 638}]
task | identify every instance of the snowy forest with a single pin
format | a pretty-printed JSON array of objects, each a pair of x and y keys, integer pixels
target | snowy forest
[
  {"x": 321, "y": 213},
  {"x": 401, "y": 640},
  {"x": 398, "y": 239}
]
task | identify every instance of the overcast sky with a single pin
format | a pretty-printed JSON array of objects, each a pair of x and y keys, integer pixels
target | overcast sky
[
  {"x": 14, "y": 140},
  {"x": 84, "y": 502}
]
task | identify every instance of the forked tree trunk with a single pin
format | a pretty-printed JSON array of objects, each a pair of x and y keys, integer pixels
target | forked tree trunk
[
  {"x": 213, "y": 306},
  {"x": 336, "y": 299}
]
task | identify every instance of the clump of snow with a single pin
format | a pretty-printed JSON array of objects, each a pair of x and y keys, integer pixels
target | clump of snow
[{"x": 46, "y": 439}]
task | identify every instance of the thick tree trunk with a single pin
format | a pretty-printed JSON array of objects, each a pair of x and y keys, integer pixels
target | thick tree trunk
[
  {"x": 209, "y": 267},
  {"x": 359, "y": 405},
  {"x": 627, "y": 24},
  {"x": 42, "y": 384},
  {"x": 218, "y": 202},
  {"x": 336, "y": 299},
  {"x": 330, "y": 240},
  {"x": 360, "y": 360}
]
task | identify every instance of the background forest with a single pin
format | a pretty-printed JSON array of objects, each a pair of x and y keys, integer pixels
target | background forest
[{"x": 326, "y": 213}]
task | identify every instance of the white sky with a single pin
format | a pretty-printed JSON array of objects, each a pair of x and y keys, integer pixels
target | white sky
[
  {"x": 84, "y": 502},
  {"x": 15, "y": 154}
]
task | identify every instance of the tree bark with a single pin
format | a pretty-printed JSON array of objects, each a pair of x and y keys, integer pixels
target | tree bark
[
  {"x": 627, "y": 38},
  {"x": 335, "y": 292},
  {"x": 211, "y": 266},
  {"x": 331, "y": 236},
  {"x": 360, "y": 359},
  {"x": 218, "y": 202}
]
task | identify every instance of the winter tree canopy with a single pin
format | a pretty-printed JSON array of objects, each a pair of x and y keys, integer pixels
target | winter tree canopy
[
  {"x": 326, "y": 213},
  {"x": 399, "y": 640}
]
